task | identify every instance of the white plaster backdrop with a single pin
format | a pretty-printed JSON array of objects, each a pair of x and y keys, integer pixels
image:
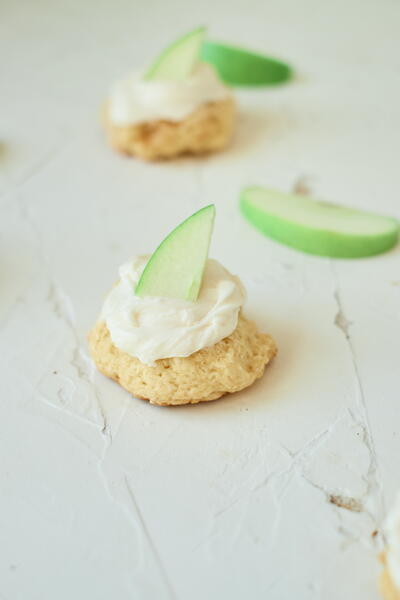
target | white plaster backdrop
[{"x": 104, "y": 496}]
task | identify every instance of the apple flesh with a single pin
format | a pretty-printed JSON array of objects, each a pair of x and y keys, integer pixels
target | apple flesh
[
  {"x": 175, "y": 269},
  {"x": 177, "y": 61},
  {"x": 318, "y": 227},
  {"x": 237, "y": 66}
]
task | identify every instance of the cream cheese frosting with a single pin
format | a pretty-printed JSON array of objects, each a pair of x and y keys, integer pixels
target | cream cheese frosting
[
  {"x": 152, "y": 328},
  {"x": 134, "y": 100},
  {"x": 392, "y": 530}
]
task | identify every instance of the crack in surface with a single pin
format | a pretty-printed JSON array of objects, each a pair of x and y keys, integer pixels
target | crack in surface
[
  {"x": 41, "y": 165},
  {"x": 372, "y": 478},
  {"x": 277, "y": 482},
  {"x": 296, "y": 459},
  {"x": 62, "y": 307},
  {"x": 150, "y": 542},
  {"x": 340, "y": 319},
  {"x": 117, "y": 486}
]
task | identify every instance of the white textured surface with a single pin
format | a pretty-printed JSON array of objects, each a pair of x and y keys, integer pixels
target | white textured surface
[{"x": 104, "y": 496}]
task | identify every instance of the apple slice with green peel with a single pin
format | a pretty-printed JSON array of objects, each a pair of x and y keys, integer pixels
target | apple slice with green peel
[
  {"x": 237, "y": 66},
  {"x": 179, "y": 59},
  {"x": 318, "y": 227},
  {"x": 175, "y": 269}
]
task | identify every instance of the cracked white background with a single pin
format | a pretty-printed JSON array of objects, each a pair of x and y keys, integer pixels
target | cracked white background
[{"x": 104, "y": 496}]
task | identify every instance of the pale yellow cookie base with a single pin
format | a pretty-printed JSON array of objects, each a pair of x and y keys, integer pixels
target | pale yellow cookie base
[
  {"x": 386, "y": 585},
  {"x": 207, "y": 129},
  {"x": 229, "y": 366}
]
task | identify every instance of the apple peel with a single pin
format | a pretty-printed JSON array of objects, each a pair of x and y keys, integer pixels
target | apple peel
[
  {"x": 239, "y": 67},
  {"x": 318, "y": 227},
  {"x": 177, "y": 61}
]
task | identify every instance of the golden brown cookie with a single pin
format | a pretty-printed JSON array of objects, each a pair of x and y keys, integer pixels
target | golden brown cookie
[
  {"x": 229, "y": 366},
  {"x": 387, "y": 587},
  {"x": 207, "y": 129}
]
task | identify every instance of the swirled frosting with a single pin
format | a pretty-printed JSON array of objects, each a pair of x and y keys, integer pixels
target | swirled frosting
[
  {"x": 134, "y": 100},
  {"x": 152, "y": 328}
]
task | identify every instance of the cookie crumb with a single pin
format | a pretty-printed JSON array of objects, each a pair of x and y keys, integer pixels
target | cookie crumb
[
  {"x": 346, "y": 502},
  {"x": 302, "y": 186}
]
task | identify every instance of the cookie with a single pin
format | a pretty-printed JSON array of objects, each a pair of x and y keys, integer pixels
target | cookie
[
  {"x": 207, "y": 129},
  {"x": 387, "y": 587},
  {"x": 229, "y": 366}
]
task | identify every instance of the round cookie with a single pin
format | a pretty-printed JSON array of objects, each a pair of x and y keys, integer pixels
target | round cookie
[
  {"x": 207, "y": 129},
  {"x": 229, "y": 366}
]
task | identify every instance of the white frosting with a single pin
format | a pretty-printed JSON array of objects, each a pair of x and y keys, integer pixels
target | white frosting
[
  {"x": 151, "y": 328},
  {"x": 392, "y": 530},
  {"x": 134, "y": 100}
]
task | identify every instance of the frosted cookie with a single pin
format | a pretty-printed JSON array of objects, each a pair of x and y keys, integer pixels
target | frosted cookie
[
  {"x": 172, "y": 330},
  {"x": 389, "y": 582},
  {"x": 179, "y": 105}
]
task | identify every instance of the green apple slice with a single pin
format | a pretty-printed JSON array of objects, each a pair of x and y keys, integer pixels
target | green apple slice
[
  {"x": 318, "y": 227},
  {"x": 237, "y": 66},
  {"x": 179, "y": 59},
  {"x": 175, "y": 269}
]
